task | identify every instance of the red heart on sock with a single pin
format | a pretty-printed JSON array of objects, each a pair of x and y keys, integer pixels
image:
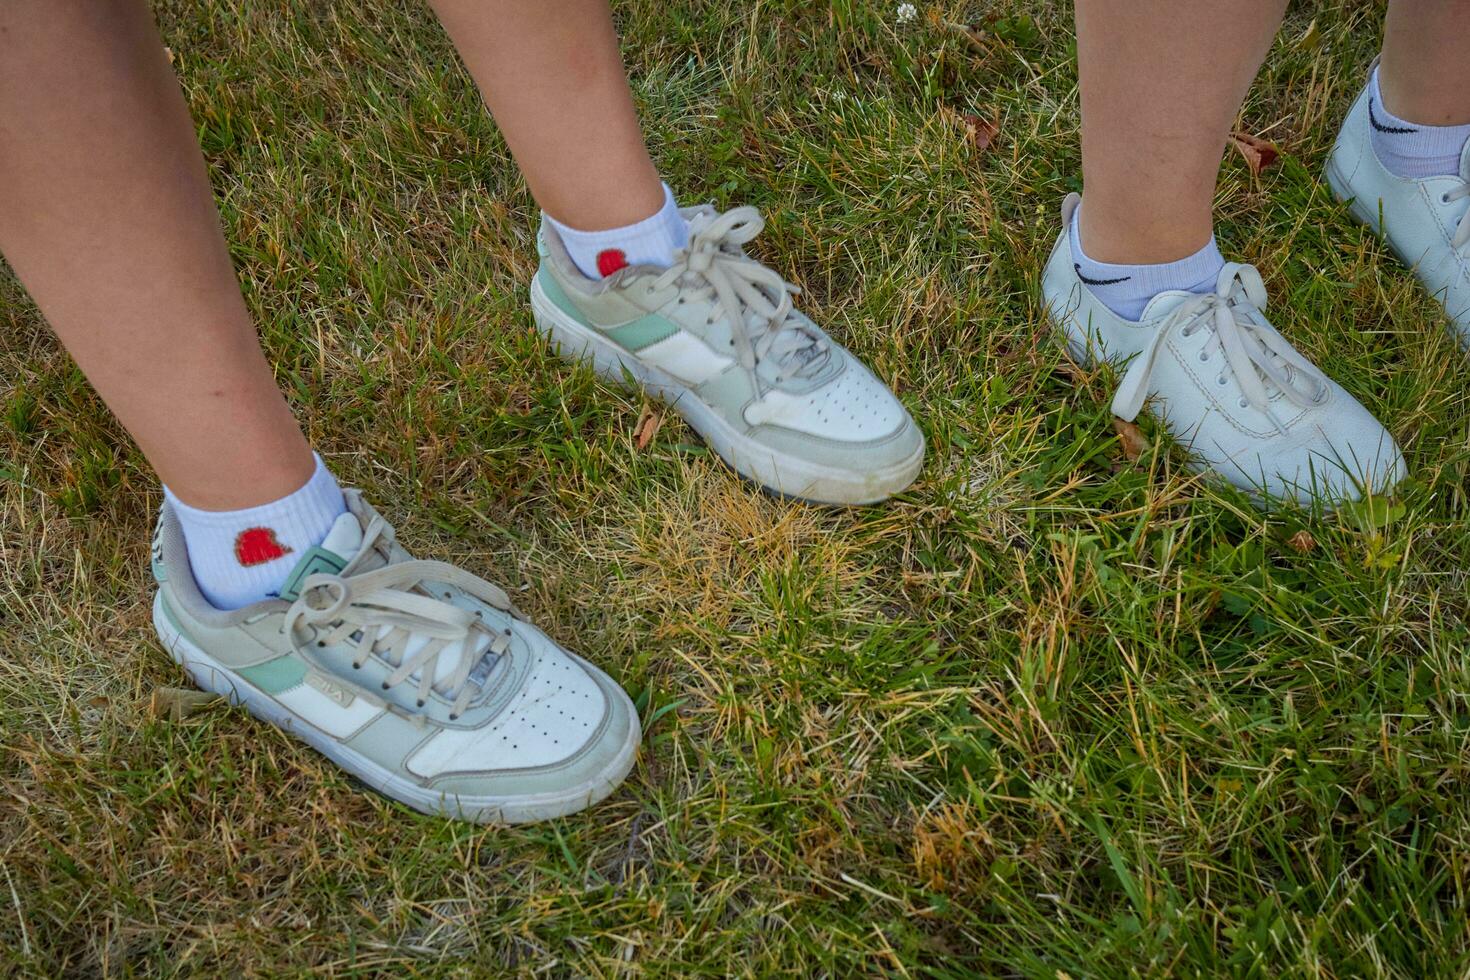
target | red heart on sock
[
  {"x": 258, "y": 545},
  {"x": 610, "y": 261}
]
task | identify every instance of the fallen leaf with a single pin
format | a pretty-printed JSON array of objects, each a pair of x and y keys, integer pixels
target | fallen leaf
[
  {"x": 1259, "y": 154},
  {"x": 1131, "y": 436},
  {"x": 979, "y": 131},
  {"x": 1303, "y": 542},
  {"x": 177, "y": 703},
  {"x": 1311, "y": 38},
  {"x": 647, "y": 427}
]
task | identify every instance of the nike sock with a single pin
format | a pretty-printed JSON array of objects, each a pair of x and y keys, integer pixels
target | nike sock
[
  {"x": 652, "y": 241},
  {"x": 1126, "y": 289},
  {"x": 1410, "y": 149},
  {"x": 243, "y": 556}
]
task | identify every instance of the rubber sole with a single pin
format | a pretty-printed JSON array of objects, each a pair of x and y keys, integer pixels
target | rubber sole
[
  {"x": 210, "y": 675},
  {"x": 779, "y": 473}
]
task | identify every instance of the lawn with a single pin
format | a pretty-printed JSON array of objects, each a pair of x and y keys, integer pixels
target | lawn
[{"x": 1056, "y": 711}]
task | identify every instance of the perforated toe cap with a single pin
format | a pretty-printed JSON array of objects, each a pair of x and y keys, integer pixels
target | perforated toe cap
[{"x": 855, "y": 407}]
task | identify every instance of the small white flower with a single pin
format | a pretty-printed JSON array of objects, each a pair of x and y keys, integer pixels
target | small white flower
[{"x": 907, "y": 12}]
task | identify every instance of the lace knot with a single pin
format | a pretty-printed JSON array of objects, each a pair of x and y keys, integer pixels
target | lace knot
[
  {"x": 745, "y": 291},
  {"x": 391, "y": 611},
  {"x": 1259, "y": 359}
]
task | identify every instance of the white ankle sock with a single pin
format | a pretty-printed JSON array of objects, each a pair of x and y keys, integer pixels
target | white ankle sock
[
  {"x": 1126, "y": 289},
  {"x": 243, "y": 556},
  {"x": 1410, "y": 149},
  {"x": 652, "y": 241}
]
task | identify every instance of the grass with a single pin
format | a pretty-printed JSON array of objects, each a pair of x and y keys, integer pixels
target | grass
[{"x": 1052, "y": 713}]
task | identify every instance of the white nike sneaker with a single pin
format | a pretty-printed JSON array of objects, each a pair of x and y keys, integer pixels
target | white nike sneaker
[
  {"x": 1227, "y": 385},
  {"x": 1425, "y": 220},
  {"x": 717, "y": 338},
  {"x": 417, "y": 677}
]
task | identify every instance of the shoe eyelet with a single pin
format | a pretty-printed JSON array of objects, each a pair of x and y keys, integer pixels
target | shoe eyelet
[
  {"x": 421, "y": 703},
  {"x": 321, "y": 643},
  {"x": 454, "y": 717},
  {"x": 385, "y": 685},
  {"x": 1220, "y": 381},
  {"x": 1203, "y": 356},
  {"x": 1444, "y": 198}
]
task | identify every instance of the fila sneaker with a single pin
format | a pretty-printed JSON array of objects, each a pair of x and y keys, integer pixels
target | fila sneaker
[
  {"x": 1228, "y": 386},
  {"x": 1424, "y": 220},
  {"x": 716, "y": 336},
  {"x": 417, "y": 677}
]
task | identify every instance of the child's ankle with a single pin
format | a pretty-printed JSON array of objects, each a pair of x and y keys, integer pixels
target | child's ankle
[
  {"x": 652, "y": 241},
  {"x": 1126, "y": 288},
  {"x": 240, "y": 557}
]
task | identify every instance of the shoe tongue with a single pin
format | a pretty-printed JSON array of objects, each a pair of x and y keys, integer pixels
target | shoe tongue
[
  {"x": 339, "y": 547},
  {"x": 345, "y": 538},
  {"x": 1165, "y": 303},
  {"x": 1465, "y": 162}
]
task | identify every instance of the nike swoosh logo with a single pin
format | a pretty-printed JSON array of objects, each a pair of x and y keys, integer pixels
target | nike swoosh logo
[
  {"x": 1399, "y": 130},
  {"x": 1097, "y": 282}
]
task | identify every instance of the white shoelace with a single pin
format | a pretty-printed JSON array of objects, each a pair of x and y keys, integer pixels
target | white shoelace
[
  {"x": 715, "y": 266},
  {"x": 1257, "y": 357},
  {"x": 381, "y": 610}
]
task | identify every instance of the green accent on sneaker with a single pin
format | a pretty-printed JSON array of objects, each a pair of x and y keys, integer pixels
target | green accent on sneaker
[
  {"x": 642, "y": 332},
  {"x": 275, "y": 676},
  {"x": 314, "y": 561},
  {"x": 557, "y": 295},
  {"x": 632, "y": 336}
]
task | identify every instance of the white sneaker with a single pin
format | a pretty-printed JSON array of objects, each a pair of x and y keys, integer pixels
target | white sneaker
[
  {"x": 1228, "y": 386},
  {"x": 1425, "y": 220},
  {"x": 417, "y": 677},
  {"x": 716, "y": 336}
]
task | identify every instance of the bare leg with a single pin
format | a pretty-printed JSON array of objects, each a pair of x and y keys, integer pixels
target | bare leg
[
  {"x": 107, "y": 218},
  {"x": 1425, "y": 73},
  {"x": 1162, "y": 80},
  {"x": 551, "y": 74}
]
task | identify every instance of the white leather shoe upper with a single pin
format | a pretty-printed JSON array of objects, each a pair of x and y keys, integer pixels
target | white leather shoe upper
[
  {"x": 1426, "y": 221},
  {"x": 1228, "y": 385}
]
